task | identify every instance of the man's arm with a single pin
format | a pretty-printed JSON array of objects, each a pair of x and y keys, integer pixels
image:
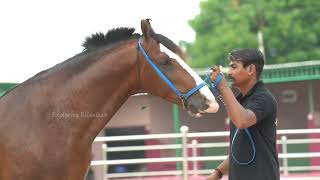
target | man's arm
[
  {"x": 242, "y": 118},
  {"x": 223, "y": 167}
]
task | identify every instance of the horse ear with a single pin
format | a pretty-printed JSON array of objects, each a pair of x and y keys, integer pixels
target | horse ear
[{"x": 146, "y": 29}]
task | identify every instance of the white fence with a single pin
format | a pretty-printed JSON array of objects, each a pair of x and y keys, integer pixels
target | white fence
[{"x": 185, "y": 136}]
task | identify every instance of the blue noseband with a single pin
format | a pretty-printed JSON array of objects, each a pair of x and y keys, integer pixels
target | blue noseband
[{"x": 164, "y": 77}]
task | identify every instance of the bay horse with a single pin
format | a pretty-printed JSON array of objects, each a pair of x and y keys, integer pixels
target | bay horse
[{"x": 49, "y": 122}]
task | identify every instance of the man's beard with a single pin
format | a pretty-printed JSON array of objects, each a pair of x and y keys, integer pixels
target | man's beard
[{"x": 230, "y": 78}]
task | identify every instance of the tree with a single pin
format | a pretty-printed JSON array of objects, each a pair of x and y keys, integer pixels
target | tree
[{"x": 290, "y": 30}]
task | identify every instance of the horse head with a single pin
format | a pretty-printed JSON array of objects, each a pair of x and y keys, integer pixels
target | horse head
[{"x": 164, "y": 73}]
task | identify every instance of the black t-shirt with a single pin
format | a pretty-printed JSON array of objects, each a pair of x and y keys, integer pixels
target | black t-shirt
[{"x": 265, "y": 165}]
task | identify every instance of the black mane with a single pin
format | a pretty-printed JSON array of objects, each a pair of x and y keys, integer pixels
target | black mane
[{"x": 99, "y": 39}]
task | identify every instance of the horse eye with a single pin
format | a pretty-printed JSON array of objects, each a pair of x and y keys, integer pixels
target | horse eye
[{"x": 165, "y": 62}]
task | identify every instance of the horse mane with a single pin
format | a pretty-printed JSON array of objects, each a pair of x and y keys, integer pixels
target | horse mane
[
  {"x": 100, "y": 39},
  {"x": 114, "y": 35}
]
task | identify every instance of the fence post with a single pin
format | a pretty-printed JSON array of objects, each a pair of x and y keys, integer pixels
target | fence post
[
  {"x": 284, "y": 152},
  {"x": 184, "y": 130},
  {"x": 194, "y": 155},
  {"x": 104, "y": 157}
]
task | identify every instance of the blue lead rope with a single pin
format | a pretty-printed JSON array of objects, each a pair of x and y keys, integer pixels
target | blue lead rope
[
  {"x": 214, "y": 86},
  {"x": 252, "y": 145}
]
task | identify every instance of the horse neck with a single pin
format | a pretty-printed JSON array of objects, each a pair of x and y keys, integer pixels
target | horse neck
[
  {"x": 113, "y": 79},
  {"x": 102, "y": 88}
]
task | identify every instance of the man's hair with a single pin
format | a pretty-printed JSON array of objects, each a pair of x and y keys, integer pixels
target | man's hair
[{"x": 248, "y": 56}]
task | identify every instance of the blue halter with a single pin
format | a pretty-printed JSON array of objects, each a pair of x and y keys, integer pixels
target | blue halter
[{"x": 164, "y": 77}]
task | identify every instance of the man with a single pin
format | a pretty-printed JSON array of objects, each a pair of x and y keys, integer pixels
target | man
[{"x": 253, "y": 114}]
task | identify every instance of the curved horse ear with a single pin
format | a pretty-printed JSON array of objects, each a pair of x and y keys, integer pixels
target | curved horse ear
[{"x": 146, "y": 28}]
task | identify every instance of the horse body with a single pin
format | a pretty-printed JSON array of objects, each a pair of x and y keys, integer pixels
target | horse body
[{"x": 49, "y": 122}]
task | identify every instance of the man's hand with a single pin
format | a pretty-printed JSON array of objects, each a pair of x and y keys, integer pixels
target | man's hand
[
  {"x": 214, "y": 75},
  {"x": 214, "y": 176}
]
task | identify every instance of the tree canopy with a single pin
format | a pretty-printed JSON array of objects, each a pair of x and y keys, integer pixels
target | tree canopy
[{"x": 290, "y": 30}]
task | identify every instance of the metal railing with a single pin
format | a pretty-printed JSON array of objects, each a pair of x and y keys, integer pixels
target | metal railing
[{"x": 185, "y": 136}]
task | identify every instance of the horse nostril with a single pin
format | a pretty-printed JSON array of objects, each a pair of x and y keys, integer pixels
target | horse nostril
[{"x": 193, "y": 108}]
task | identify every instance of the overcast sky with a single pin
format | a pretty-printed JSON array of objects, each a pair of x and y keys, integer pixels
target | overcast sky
[{"x": 37, "y": 34}]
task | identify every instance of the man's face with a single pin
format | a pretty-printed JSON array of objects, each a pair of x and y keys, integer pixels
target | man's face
[{"x": 238, "y": 74}]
